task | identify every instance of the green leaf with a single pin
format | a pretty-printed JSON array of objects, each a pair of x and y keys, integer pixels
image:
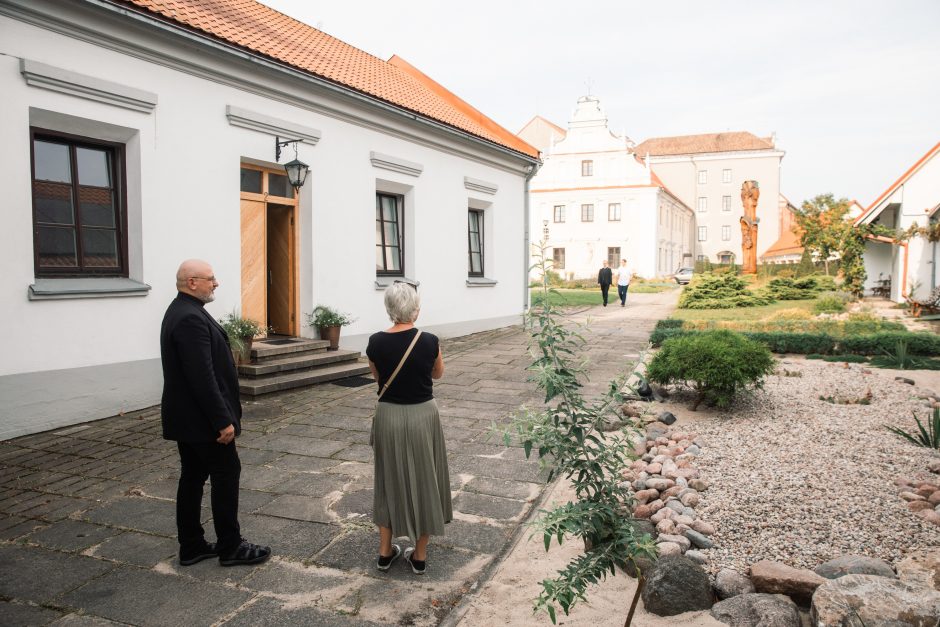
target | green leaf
[
  {"x": 527, "y": 447},
  {"x": 551, "y": 613}
]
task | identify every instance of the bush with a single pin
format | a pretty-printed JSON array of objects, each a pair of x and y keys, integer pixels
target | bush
[
  {"x": 658, "y": 336},
  {"x": 669, "y": 323},
  {"x": 886, "y": 342},
  {"x": 825, "y": 282},
  {"x": 861, "y": 323},
  {"x": 829, "y": 304},
  {"x": 720, "y": 291},
  {"x": 783, "y": 288},
  {"x": 716, "y": 364},
  {"x": 786, "y": 315},
  {"x": 852, "y": 359},
  {"x": 801, "y": 343}
]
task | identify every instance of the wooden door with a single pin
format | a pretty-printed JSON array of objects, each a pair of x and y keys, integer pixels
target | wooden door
[
  {"x": 280, "y": 256},
  {"x": 254, "y": 266}
]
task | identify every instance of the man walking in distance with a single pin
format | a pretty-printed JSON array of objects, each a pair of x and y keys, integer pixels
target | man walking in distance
[
  {"x": 604, "y": 278},
  {"x": 202, "y": 413},
  {"x": 623, "y": 282}
]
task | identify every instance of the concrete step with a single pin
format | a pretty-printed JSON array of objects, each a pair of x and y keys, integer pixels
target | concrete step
[
  {"x": 302, "y": 378},
  {"x": 262, "y": 350},
  {"x": 296, "y": 361}
]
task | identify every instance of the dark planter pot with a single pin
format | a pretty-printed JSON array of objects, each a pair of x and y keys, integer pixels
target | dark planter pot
[
  {"x": 331, "y": 334},
  {"x": 244, "y": 356}
]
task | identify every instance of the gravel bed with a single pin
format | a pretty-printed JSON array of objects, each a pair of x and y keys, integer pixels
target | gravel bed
[{"x": 801, "y": 480}]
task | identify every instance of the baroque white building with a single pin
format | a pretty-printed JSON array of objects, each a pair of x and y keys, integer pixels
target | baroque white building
[
  {"x": 142, "y": 132},
  {"x": 593, "y": 200}
]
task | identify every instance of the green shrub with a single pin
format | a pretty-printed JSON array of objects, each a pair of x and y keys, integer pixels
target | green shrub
[
  {"x": 828, "y": 304},
  {"x": 670, "y": 323},
  {"x": 801, "y": 343},
  {"x": 720, "y": 291},
  {"x": 852, "y": 359},
  {"x": 716, "y": 364},
  {"x": 658, "y": 336},
  {"x": 825, "y": 283},
  {"x": 886, "y": 342},
  {"x": 784, "y": 288}
]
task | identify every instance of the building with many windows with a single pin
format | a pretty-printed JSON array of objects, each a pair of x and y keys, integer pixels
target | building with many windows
[
  {"x": 592, "y": 200},
  {"x": 706, "y": 172},
  {"x": 139, "y": 133}
]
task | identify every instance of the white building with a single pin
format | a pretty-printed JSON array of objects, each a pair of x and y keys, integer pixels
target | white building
[
  {"x": 706, "y": 173},
  {"x": 596, "y": 201},
  {"x": 912, "y": 198},
  {"x": 141, "y": 133}
]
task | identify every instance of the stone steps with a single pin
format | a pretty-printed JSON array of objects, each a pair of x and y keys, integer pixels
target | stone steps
[{"x": 288, "y": 363}]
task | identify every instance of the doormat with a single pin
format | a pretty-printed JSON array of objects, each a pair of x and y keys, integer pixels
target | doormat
[
  {"x": 278, "y": 342},
  {"x": 353, "y": 382}
]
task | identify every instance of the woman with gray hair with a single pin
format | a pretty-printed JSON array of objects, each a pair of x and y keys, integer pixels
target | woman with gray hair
[{"x": 412, "y": 483}]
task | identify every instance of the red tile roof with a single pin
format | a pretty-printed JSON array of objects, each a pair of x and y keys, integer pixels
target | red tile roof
[
  {"x": 787, "y": 244},
  {"x": 260, "y": 29},
  {"x": 696, "y": 144}
]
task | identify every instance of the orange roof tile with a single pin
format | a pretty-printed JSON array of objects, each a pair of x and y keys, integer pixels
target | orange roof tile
[
  {"x": 787, "y": 244},
  {"x": 260, "y": 29},
  {"x": 696, "y": 144}
]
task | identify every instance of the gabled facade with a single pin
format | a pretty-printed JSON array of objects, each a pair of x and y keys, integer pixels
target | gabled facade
[
  {"x": 913, "y": 198},
  {"x": 592, "y": 200},
  {"x": 706, "y": 173},
  {"x": 139, "y": 133}
]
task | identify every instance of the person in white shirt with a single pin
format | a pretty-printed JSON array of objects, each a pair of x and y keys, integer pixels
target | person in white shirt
[{"x": 623, "y": 282}]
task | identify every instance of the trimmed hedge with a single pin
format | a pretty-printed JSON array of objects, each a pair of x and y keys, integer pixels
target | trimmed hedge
[
  {"x": 801, "y": 343},
  {"x": 670, "y": 323},
  {"x": 924, "y": 343}
]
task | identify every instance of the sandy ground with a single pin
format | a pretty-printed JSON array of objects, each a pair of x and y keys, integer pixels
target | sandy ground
[{"x": 507, "y": 598}]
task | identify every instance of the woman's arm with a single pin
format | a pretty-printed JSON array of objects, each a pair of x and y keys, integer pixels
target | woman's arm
[
  {"x": 375, "y": 371},
  {"x": 437, "y": 371}
]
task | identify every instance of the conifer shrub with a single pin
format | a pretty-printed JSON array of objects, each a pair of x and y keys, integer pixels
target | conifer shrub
[
  {"x": 800, "y": 343},
  {"x": 886, "y": 343},
  {"x": 720, "y": 291},
  {"x": 829, "y": 303},
  {"x": 717, "y": 365}
]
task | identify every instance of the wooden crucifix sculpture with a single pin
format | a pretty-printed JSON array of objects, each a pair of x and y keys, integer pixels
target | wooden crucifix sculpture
[{"x": 750, "y": 192}]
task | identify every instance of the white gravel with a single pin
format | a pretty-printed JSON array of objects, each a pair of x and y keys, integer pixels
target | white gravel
[{"x": 800, "y": 480}]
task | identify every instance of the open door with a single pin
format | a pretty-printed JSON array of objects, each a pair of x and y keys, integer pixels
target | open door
[{"x": 269, "y": 259}]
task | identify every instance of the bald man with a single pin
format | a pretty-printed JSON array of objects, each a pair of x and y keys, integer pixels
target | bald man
[{"x": 202, "y": 413}]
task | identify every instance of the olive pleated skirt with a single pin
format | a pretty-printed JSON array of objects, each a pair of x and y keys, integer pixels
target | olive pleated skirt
[{"x": 412, "y": 483}]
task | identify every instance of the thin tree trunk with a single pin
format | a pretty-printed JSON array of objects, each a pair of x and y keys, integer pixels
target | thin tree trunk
[
  {"x": 640, "y": 582},
  {"x": 826, "y": 264}
]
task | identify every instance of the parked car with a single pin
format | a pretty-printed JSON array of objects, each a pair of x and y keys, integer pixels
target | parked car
[{"x": 683, "y": 275}]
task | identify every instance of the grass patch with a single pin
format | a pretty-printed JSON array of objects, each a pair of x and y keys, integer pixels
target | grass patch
[
  {"x": 742, "y": 313},
  {"x": 571, "y": 298},
  {"x": 648, "y": 287}
]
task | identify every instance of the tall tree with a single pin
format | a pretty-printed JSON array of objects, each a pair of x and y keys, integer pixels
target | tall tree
[{"x": 821, "y": 221}]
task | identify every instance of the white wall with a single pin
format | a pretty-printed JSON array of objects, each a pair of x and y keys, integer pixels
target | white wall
[{"x": 183, "y": 171}]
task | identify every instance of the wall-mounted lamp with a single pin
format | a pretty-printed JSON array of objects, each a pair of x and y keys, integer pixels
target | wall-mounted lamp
[{"x": 296, "y": 170}]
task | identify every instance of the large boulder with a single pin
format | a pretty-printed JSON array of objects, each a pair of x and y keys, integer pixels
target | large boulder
[
  {"x": 730, "y": 583},
  {"x": 776, "y": 578},
  {"x": 854, "y": 565},
  {"x": 922, "y": 568},
  {"x": 874, "y": 600},
  {"x": 757, "y": 610},
  {"x": 676, "y": 584}
]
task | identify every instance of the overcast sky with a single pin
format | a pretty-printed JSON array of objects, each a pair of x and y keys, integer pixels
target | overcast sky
[{"x": 851, "y": 88}]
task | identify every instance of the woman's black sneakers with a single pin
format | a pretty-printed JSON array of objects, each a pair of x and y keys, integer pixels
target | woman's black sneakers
[
  {"x": 385, "y": 563},
  {"x": 417, "y": 566}
]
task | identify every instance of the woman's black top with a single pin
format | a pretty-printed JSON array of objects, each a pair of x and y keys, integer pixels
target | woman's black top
[{"x": 413, "y": 384}]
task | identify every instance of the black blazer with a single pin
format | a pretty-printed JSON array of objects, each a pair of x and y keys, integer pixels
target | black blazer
[
  {"x": 605, "y": 276},
  {"x": 200, "y": 383}
]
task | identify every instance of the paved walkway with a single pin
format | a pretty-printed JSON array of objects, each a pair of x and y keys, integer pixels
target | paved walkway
[{"x": 87, "y": 512}]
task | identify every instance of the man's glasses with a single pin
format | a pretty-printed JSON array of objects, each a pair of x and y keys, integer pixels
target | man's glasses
[{"x": 204, "y": 278}]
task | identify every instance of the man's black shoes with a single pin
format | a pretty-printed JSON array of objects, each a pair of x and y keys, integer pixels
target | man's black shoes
[
  {"x": 245, "y": 554},
  {"x": 203, "y": 553}
]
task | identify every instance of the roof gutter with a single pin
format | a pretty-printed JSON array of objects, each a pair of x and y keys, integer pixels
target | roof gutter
[{"x": 205, "y": 40}]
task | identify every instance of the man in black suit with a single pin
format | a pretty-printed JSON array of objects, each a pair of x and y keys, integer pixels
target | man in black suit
[
  {"x": 604, "y": 278},
  {"x": 201, "y": 411}
]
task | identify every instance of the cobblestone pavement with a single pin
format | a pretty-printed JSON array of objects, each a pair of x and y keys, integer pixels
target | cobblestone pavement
[{"x": 87, "y": 532}]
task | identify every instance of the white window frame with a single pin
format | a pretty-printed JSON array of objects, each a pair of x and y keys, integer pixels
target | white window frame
[
  {"x": 613, "y": 212},
  {"x": 725, "y": 233},
  {"x": 702, "y": 233},
  {"x": 587, "y": 167},
  {"x": 726, "y": 175},
  {"x": 702, "y": 204},
  {"x": 702, "y": 177},
  {"x": 726, "y": 203},
  {"x": 589, "y": 208}
]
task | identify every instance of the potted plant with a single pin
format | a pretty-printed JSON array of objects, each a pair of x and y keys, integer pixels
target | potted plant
[
  {"x": 241, "y": 332},
  {"x": 328, "y": 322}
]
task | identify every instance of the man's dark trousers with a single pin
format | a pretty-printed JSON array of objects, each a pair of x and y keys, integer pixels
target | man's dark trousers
[
  {"x": 605, "y": 287},
  {"x": 622, "y": 293},
  {"x": 220, "y": 464}
]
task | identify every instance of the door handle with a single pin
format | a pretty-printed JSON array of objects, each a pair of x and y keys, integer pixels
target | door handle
[{"x": 270, "y": 278}]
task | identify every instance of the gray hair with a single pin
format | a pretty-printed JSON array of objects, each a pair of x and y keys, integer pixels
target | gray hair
[{"x": 402, "y": 302}]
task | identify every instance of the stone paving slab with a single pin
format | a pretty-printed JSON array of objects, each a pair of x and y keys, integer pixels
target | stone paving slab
[
  {"x": 87, "y": 513},
  {"x": 128, "y": 595}
]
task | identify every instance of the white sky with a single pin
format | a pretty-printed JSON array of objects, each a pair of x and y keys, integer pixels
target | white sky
[{"x": 852, "y": 88}]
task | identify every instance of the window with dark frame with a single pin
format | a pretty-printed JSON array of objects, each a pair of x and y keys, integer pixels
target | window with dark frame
[
  {"x": 587, "y": 168},
  {"x": 559, "y": 213},
  {"x": 475, "y": 237},
  {"x": 389, "y": 234},
  {"x": 587, "y": 213},
  {"x": 558, "y": 259},
  {"x": 613, "y": 212},
  {"x": 613, "y": 256},
  {"x": 79, "y": 207}
]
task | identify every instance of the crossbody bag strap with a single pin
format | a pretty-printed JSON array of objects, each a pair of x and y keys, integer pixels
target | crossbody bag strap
[{"x": 400, "y": 364}]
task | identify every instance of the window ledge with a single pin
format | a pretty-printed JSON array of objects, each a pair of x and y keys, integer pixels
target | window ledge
[
  {"x": 86, "y": 287},
  {"x": 480, "y": 281},
  {"x": 382, "y": 282}
]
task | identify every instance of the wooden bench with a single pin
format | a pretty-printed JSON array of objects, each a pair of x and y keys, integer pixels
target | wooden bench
[{"x": 929, "y": 305}]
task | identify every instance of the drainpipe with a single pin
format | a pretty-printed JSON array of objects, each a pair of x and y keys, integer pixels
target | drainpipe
[{"x": 531, "y": 170}]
